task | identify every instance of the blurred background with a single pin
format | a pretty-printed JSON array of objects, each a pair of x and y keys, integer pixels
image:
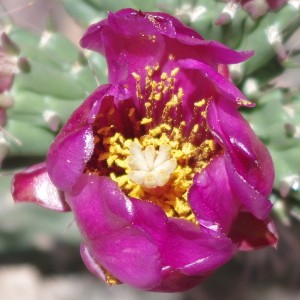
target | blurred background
[{"x": 39, "y": 249}]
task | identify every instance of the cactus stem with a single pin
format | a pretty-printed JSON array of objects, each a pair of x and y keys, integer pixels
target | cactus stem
[
  {"x": 82, "y": 59},
  {"x": 275, "y": 39},
  {"x": 52, "y": 119}
]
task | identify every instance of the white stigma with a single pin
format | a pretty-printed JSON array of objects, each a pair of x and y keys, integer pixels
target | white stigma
[{"x": 148, "y": 168}]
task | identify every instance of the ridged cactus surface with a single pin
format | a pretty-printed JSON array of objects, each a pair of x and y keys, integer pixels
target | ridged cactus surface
[{"x": 57, "y": 79}]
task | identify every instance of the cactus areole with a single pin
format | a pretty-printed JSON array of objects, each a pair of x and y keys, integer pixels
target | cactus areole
[{"x": 165, "y": 178}]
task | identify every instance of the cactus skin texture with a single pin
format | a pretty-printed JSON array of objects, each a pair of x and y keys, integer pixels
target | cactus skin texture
[{"x": 53, "y": 79}]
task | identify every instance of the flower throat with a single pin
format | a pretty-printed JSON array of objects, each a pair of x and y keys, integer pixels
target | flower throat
[{"x": 158, "y": 163}]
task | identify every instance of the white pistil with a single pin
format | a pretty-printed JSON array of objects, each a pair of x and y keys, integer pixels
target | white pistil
[{"x": 148, "y": 168}]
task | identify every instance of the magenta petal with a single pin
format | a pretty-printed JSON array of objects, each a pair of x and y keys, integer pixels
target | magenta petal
[
  {"x": 176, "y": 281},
  {"x": 248, "y": 163},
  {"x": 90, "y": 262},
  {"x": 66, "y": 160},
  {"x": 100, "y": 208},
  {"x": 104, "y": 216},
  {"x": 194, "y": 251},
  {"x": 211, "y": 198},
  {"x": 222, "y": 85},
  {"x": 250, "y": 233},
  {"x": 130, "y": 256},
  {"x": 74, "y": 145},
  {"x": 258, "y": 204},
  {"x": 34, "y": 185},
  {"x": 151, "y": 219}
]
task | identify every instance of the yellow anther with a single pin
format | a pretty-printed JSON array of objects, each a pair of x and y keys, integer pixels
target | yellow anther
[
  {"x": 174, "y": 72},
  {"x": 136, "y": 76},
  {"x": 200, "y": 103},
  {"x": 146, "y": 121}
]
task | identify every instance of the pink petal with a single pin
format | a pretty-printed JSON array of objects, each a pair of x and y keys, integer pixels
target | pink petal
[
  {"x": 66, "y": 160},
  {"x": 194, "y": 251},
  {"x": 34, "y": 185},
  {"x": 105, "y": 216},
  {"x": 212, "y": 199},
  {"x": 248, "y": 163}
]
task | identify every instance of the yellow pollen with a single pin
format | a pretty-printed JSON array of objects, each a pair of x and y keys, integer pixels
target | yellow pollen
[
  {"x": 195, "y": 128},
  {"x": 146, "y": 121},
  {"x": 200, "y": 103},
  {"x": 157, "y": 167},
  {"x": 243, "y": 102},
  {"x": 174, "y": 72},
  {"x": 109, "y": 278},
  {"x": 136, "y": 76}
]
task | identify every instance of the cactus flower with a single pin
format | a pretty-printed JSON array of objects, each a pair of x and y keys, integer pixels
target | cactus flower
[{"x": 165, "y": 178}]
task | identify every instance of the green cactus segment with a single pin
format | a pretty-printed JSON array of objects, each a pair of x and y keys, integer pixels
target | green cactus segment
[
  {"x": 267, "y": 38},
  {"x": 276, "y": 119},
  {"x": 57, "y": 78}
]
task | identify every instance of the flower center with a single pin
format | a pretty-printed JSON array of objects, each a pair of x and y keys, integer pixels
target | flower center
[
  {"x": 150, "y": 169},
  {"x": 154, "y": 157}
]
